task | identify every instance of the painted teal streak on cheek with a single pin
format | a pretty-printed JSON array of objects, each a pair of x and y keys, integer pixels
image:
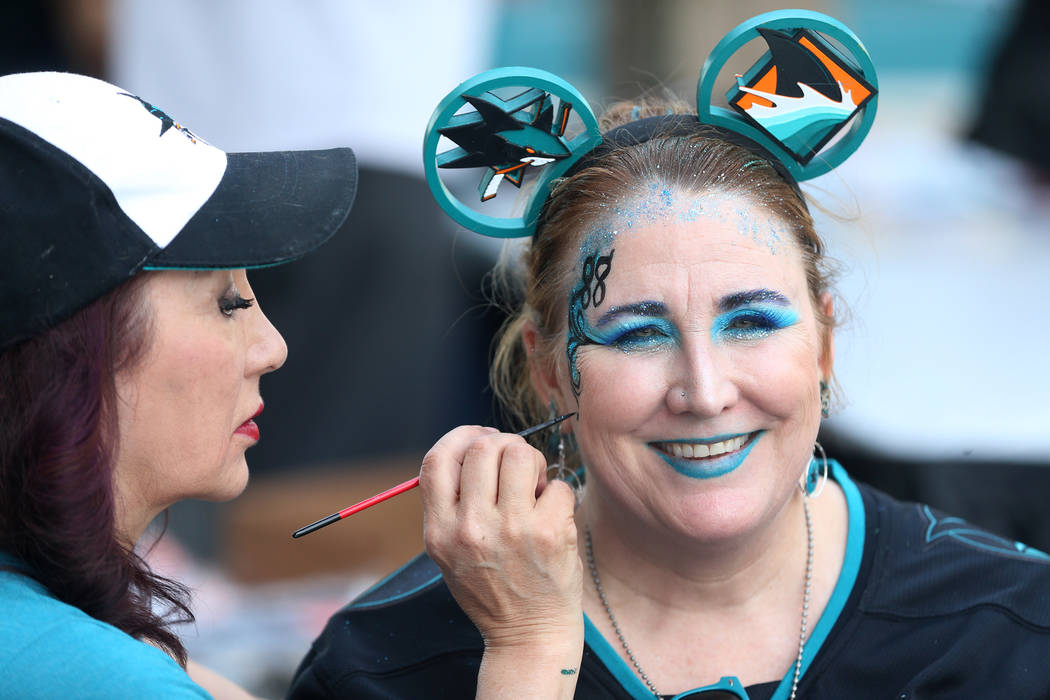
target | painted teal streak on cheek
[{"x": 752, "y": 322}]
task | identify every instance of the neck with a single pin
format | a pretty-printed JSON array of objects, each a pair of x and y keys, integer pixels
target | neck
[
  {"x": 669, "y": 589},
  {"x": 133, "y": 516},
  {"x": 674, "y": 570}
]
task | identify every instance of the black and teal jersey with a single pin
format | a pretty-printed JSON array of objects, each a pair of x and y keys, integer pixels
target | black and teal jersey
[{"x": 926, "y": 606}]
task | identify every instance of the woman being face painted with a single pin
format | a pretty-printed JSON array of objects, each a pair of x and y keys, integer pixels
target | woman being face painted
[
  {"x": 675, "y": 299},
  {"x": 699, "y": 366},
  {"x": 694, "y": 344}
]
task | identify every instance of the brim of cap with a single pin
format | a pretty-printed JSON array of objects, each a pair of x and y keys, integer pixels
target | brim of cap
[{"x": 269, "y": 208}]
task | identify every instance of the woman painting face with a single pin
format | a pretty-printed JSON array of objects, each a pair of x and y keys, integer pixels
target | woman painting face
[
  {"x": 186, "y": 409},
  {"x": 695, "y": 361}
]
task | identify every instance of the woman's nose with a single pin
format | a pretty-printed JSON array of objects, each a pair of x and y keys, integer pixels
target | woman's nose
[
  {"x": 701, "y": 383},
  {"x": 269, "y": 351}
]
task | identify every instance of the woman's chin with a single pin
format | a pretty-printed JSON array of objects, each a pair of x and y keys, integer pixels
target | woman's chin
[
  {"x": 721, "y": 515},
  {"x": 233, "y": 482}
]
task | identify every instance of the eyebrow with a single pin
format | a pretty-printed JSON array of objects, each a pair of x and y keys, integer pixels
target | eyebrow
[
  {"x": 642, "y": 308},
  {"x": 753, "y": 296}
]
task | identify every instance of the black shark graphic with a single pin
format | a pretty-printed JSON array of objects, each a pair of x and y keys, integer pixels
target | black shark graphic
[
  {"x": 803, "y": 94},
  {"x": 166, "y": 122},
  {"x": 962, "y": 531},
  {"x": 506, "y": 136},
  {"x": 797, "y": 65}
]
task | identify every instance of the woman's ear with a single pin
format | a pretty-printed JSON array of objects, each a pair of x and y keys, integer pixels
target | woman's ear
[
  {"x": 543, "y": 372},
  {"x": 827, "y": 344}
]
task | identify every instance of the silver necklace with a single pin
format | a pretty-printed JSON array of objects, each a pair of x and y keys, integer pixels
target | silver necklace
[{"x": 802, "y": 627}]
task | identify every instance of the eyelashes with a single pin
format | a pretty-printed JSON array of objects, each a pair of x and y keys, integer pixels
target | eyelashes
[
  {"x": 752, "y": 323},
  {"x": 744, "y": 324},
  {"x": 640, "y": 334},
  {"x": 232, "y": 301}
]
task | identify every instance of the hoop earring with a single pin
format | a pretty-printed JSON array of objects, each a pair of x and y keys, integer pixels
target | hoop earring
[
  {"x": 825, "y": 399},
  {"x": 559, "y": 465},
  {"x": 559, "y": 469},
  {"x": 815, "y": 477}
]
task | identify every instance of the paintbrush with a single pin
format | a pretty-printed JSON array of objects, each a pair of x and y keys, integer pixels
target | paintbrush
[{"x": 401, "y": 488}]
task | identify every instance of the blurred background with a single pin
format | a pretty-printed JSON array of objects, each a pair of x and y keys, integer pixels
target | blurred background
[{"x": 940, "y": 225}]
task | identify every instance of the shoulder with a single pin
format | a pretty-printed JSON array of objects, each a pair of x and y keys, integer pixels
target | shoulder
[
  {"x": 927, "y": 563},
  {"x": 937, "y": 603},
  {"x": 51, "y": 649},
  {"x": 404, "y": 635}
]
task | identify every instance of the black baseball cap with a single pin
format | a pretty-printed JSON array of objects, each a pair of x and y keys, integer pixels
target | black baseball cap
[{"x": 97, "y": 184}]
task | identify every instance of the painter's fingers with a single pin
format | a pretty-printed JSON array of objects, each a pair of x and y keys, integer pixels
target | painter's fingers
[
  {"x": 520, "y": 472},
  {"x": 439, "y": 475},
  {"x": 479, "y": 477},
  {"x": 557, "y": 505}
]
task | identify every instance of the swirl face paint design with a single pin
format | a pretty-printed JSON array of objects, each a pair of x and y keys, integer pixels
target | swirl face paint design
[{"x": 589, "y": 291}]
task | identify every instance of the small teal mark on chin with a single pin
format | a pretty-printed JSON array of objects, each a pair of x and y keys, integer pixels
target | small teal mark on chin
[
  {"x": 568, "y": 672},
  {"x": 709, "y": 467}
]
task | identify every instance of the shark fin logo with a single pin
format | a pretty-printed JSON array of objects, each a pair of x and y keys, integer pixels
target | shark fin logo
[
  {"x": 803, "y": 95},
  {"x": 166, "y": 122},
  {"x": 506, "y": 137},
  {"x": 962, "y": 531}
]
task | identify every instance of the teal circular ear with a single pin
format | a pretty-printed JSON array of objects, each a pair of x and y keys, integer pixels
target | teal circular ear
[
  {"x": 800, "y": 94},
  {"x": 507, "y": 125}
]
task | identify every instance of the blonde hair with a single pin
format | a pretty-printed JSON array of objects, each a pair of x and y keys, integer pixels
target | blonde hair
[{"x": 696, "y": 163}]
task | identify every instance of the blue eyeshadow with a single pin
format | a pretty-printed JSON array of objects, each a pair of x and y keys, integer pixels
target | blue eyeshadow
[
  {"x": 752, "y": 322},
  {"x": 638, "y": 333}
]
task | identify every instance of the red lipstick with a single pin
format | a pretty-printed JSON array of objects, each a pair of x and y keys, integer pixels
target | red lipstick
[{"x": 249, "y": 428}]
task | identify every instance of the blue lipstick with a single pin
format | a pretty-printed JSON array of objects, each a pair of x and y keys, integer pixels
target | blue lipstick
[{"x": 708, "y": 467}]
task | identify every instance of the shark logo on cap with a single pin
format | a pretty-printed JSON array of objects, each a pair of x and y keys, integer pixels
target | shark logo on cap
[{"x": 166, "y": 122}]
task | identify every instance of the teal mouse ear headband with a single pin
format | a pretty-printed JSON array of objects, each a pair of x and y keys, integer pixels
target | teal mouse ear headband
[
  {"x": 506, "y": 122},
  {"x": 815, "y": 82}
]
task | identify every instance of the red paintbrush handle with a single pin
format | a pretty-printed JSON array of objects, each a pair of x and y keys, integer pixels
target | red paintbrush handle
[
  {"x": 379, "y": 497},
  {"x": 401, "y": 488}
]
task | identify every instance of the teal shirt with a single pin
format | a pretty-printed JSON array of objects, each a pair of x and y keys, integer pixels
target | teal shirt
[{"x": 49, "y": 649}]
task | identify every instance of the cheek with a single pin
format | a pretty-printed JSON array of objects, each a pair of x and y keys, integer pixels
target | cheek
[
  {"x": 620, "y": 390},
  {"x": 782, "y": 380},
  {"x": 198, "y": 387}
]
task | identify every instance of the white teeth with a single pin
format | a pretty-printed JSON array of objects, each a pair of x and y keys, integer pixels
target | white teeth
[{"x": 701, "y": 450}]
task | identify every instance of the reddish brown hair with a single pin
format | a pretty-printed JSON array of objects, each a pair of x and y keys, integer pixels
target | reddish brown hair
[{"x": 58, "y": 441}]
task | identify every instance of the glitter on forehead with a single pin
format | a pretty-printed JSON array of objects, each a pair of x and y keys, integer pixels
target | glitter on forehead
[
  {"x": 599, "y": 238},
  {"x": 657, "y": 202}
]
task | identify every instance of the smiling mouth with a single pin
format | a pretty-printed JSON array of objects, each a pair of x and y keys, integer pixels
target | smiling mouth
[{"x": 704, "y": 450}]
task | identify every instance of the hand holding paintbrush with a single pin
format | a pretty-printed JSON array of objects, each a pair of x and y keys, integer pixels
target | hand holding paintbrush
[
  {"x": 401, "y": 488},
  {"x": 506, "y": 542}
]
